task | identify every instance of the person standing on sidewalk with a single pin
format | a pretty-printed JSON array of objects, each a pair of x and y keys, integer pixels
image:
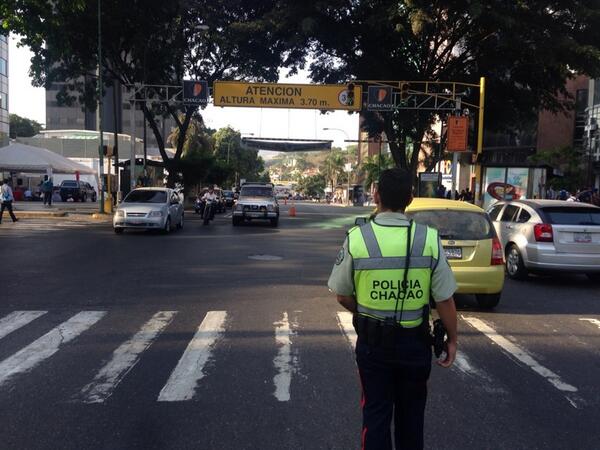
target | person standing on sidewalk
[
  {"x": 6, "y": 196},
  {"x": 47, "y": 187}
]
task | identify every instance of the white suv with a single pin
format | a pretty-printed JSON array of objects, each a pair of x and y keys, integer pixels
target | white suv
[{"x": 256, "y": 201}]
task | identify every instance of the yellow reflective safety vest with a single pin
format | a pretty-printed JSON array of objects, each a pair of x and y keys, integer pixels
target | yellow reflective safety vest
[{"x": 379, "y": 254}]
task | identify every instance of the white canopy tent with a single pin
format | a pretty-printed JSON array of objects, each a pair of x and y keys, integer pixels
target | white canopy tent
[{"x": 27, "y": 159}]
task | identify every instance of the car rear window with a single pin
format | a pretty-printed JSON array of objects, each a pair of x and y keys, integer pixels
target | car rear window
[
  {"x": 572, "y": 216},
  {"x": 69, "y": 184},
  {"x": 141, "y": 196},
  {"x": 456, "y": 225},
  {"x": 257, "y": 191}
]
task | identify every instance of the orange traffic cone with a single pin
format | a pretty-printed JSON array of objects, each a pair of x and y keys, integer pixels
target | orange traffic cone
[{"x": 292, "y": 211}]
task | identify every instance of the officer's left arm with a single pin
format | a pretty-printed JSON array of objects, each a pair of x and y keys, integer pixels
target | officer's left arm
[{"x": 341, "y": 279}]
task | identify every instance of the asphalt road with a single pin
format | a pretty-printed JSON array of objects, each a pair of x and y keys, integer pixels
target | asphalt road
[{"x": 227, "y": 338}]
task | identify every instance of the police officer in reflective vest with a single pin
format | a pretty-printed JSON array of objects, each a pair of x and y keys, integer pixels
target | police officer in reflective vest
[{"x": 386, "y": 273}]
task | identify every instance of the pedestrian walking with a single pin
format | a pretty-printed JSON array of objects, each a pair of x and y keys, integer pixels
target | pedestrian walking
[
  {"x": 47, "y": 187},
  {"x": 390, "y": 299},
  {"x": 7, "y": 198}
]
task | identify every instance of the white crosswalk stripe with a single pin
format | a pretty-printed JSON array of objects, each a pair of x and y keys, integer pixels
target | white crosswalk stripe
[
  {"x": 46, "y": 346},
  {"x": 524, "y": 357},
  {"x": 125, "y": 358},
  {"x": 190, "y": 368},
  {"x": 16, "y": 320},
  {"x": 285, "y": 362}
]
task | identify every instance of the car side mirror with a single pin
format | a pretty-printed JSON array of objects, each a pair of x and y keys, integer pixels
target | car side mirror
[{"x": 359, "y": 221}]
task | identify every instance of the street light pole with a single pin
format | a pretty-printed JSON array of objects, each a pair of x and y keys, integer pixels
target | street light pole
[{"x": 100, "y": 112}]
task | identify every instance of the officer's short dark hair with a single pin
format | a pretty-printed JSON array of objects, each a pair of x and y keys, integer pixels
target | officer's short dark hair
[{"x": 395, "y": 189}]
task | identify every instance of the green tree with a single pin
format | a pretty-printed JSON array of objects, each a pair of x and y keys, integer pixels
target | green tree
[
  {"x": 244, "y": 162},
  {"x": 152, "y": 42},
  {"x": 23, "y": 127},
  {"x": 373, "y": 165},
  {"x": 570, "y": 161},
  {"x": 507, "y": 42},
  {"x": 313, "y": 186},
  {"x": 333, "y": 167}
]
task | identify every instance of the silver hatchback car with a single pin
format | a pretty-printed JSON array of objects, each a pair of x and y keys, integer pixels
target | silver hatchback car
[
  {"x": 150, "y": 209},
  {"x": 548, "y": 235}
]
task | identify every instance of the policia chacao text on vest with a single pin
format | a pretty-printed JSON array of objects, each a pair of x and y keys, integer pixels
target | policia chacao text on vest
[{"x": 391, "y": 312}]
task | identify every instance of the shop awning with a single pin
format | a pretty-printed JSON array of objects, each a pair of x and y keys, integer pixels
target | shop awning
[
  {"x": 287, "y": 145},
  {"x": 26, "y": 158}
]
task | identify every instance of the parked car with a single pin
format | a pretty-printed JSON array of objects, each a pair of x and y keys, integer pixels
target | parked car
[
  {"x": 548, "y": 235},
  {"x": 150, "y": 209},
  {"x": 229, "y": 198},
  {"x": 256, "y": 202},
  {"x": 77, "y": 190},
  {"x": 470, "y": 243}
]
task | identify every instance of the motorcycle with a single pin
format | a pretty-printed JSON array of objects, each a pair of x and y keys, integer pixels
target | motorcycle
[{"x": 208, "y": 211}]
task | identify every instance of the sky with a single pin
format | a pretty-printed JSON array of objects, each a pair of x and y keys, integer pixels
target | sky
[{"x": 27, "y": 101}]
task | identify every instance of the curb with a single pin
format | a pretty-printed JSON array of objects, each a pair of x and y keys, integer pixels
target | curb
[{"x": 39, "y": 214}]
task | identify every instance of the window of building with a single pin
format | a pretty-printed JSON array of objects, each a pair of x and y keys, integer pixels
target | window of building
[
  {"x": 3, "y": 38},
  {"x": 3, "y": 67},
  {"x": 3, "y": 101}
]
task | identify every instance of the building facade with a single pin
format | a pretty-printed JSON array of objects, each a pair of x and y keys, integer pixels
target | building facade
[
  {"x": 77, "y": 117},
  {"x": 592, "y": 132},
  {"x": 4, "y": 117}
]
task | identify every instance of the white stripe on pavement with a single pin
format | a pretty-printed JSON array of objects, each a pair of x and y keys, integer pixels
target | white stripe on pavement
[
  {"x": 345, "y": 323},
  {"x": 522, "y": 356},
  {"x": 594, "y": 321},
  {"x": 46, "y": 346},
  {"x": 189, "y": 371},
  {"x": 125, "y": 358},
  {"x": 284, "y": 362},
  {"x": 16, "y": 320}
]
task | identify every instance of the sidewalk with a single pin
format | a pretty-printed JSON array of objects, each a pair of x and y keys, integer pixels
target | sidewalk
[{"x": 34, "y": 210}]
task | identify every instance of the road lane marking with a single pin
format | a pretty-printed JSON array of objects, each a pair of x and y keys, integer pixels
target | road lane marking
[
  {"x": 594, "y": 321},
  {"x": 125, "y": 358},
  {"x": 345, "y": 323},
  {"x": 522, "y": 356},
  {"x": 189, "y": 371},
  {"x": 285, "y": 362},
  {"x": 47, "y": 345},
  {"x": 16, "y": 320}
]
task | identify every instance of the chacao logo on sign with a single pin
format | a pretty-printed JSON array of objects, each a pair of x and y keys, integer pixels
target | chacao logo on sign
[
  {"x": 379, "y": 98},
  {"x": 195, "y": 92},
  {"x": 271, "y": 95}
]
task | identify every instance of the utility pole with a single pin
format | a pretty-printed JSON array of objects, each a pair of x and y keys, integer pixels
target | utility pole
[{"x": 100, "y": 112}]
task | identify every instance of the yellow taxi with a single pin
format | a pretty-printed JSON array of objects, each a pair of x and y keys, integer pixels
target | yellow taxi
[{"x": 471, "y": 245}]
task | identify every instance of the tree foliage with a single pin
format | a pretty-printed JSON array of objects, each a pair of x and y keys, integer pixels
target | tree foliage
[
  {"x": 23, "y": 127},
  {"x": 245, "y": 163},
  {"x": 526, "y": 50},
  {"x": 152, "y": 42},
  {"x": 571, "y": 162},
  {"x": 313, "y": 186}
]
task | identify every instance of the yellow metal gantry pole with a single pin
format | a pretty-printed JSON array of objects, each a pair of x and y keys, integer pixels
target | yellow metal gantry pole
[{"x": 478, "y": 174}]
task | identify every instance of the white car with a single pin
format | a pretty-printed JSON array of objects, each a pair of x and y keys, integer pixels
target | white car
[
  {"x": 150, "y": 209},
  {"x": 256, "y": 202}
]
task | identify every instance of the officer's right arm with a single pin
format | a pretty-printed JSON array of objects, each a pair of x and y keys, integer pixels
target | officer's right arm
[{"x": 341, "y": 279}]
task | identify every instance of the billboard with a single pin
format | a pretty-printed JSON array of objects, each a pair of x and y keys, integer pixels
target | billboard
[{"x": 458, "y": 134}]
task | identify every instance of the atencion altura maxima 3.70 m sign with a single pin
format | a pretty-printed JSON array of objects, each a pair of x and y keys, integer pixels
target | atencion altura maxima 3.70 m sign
[{"x": 301, "y": 96}]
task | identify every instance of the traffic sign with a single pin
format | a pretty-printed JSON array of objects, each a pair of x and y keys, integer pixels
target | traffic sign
[
  {"x": 292, "y": 96},
  {"x": 380, "y": 98},
  {"x": 458, "y": 134},
  {"x": 195, "y": 92}
]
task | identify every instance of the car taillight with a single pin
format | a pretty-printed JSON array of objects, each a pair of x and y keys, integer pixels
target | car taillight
[
  {"x": 543, "y": 232},
  {"x": 497, "y": 253}
]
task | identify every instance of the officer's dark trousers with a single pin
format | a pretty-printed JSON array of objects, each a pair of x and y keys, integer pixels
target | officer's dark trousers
[{"x": 394, "y": 384}]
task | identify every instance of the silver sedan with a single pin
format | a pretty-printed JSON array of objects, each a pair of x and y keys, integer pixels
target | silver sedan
[
  {"x": 548, "y": 235},
  {"x": 150, "y": 209}
]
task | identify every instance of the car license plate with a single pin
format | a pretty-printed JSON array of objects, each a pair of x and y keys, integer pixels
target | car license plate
[
  {"x": 583, "y": 238},
  {"x": 453, "y": 252}
]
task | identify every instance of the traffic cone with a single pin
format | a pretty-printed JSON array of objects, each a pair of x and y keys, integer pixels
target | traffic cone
[{"x": 292, "y": 211}]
